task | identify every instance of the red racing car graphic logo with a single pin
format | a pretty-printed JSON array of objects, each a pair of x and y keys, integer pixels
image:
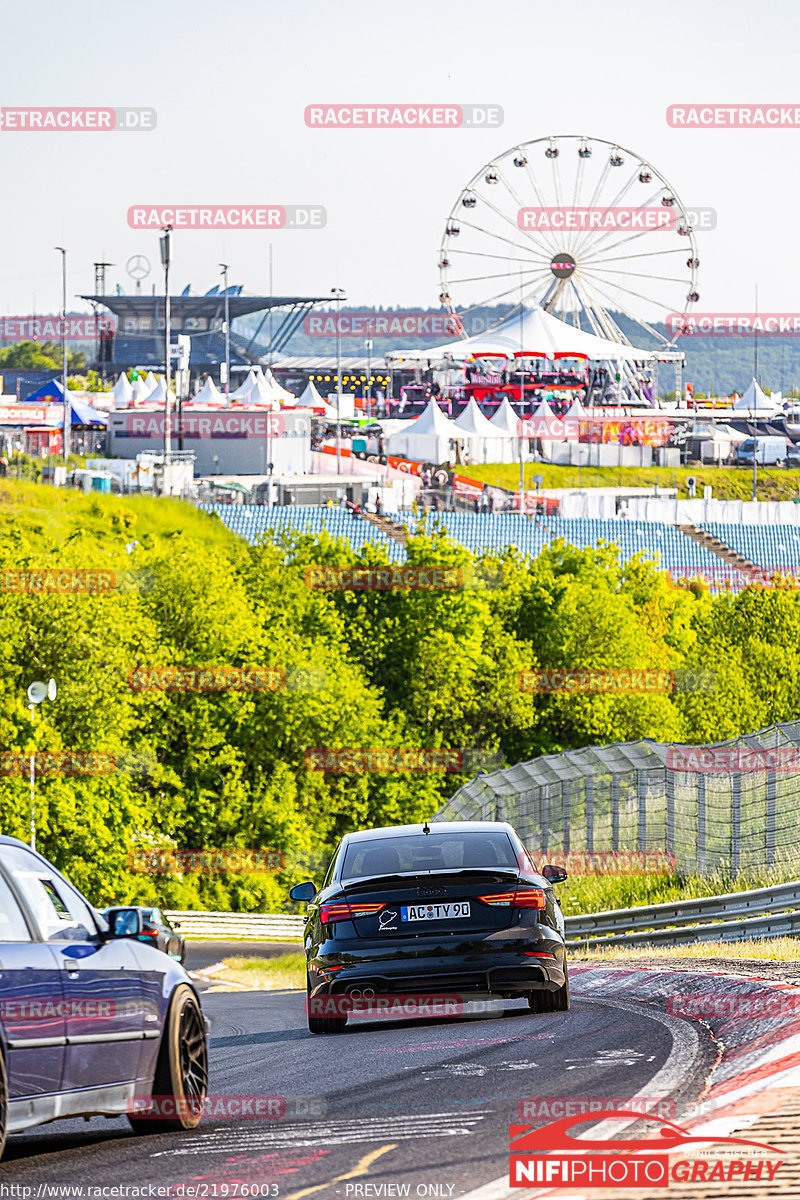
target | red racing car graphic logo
[{"x": 549, "y": 1154}]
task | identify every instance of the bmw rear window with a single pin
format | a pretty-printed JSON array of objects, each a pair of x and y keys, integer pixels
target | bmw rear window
[{"x": 428, "y": 852}]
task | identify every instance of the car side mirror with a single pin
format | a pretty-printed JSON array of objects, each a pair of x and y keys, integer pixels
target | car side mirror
[
  {"x": 554, "y": 874},
  {"x": 176, "y": 924},
  {"x": 303, "y": 891},
  {"x": 124, "y": 922}
]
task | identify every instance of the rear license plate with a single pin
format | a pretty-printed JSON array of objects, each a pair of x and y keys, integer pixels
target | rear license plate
[{"x": 434, "y": 912}]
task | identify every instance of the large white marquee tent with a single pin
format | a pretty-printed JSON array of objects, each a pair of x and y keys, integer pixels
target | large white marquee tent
[{"x": 536, "y": 331}]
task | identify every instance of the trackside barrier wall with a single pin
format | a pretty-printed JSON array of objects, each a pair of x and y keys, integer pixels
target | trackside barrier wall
[{"x": 629, "y": 797}]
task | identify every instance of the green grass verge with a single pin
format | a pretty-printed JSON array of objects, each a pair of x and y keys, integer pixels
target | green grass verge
[
  {"x": 779, "y": 949},
  {"x": 263, "y": 974},
  {"x": 728, "y": 483},
  {"x": 602, "y": 893}
]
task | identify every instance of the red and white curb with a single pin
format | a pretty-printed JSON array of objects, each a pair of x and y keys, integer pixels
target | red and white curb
[{"x": 758, "y": 1064}]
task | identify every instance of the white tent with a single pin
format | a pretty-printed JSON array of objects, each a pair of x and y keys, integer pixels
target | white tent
[
  {"x": 261, "y": 389},
  {"x": 575, "y": 412},
  {"x": 488, "y": 443},
  {"x": 505, "y": 419},
  {"x": 159, "y": 393},
  {"x": 122, "y": 392},
  {"x": 537, "y": 331},
  {"x": 140, "y": 391},
  {"x": 151, "y": 381},
  {"x": 209, "y": 394},
  {"x": 543, "y": 411},
  {"x": 755, "y": 399},
  {"x": 310, "y": 397},
  {"x": 428, "y": 439},
  {"x": 248, "y": 388},
  {"x": 275, "y": 391}
]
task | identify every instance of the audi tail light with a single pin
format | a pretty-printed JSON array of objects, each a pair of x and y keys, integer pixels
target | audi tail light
[
  {"x": 340, "y": 910},
  {"x": 529, "y": 898}
]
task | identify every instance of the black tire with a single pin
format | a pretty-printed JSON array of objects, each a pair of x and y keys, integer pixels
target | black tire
[
  {"x": 3, "y": 1104},
  {"x": 561, "y": 997},
  {"x": 541, "y": 1001},
  {"x": 181, "y": 1079},
  {"x": 322, "y": 1024}
]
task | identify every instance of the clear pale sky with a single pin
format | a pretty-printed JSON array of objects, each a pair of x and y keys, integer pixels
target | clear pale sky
[{"x": 230, "y": 83}]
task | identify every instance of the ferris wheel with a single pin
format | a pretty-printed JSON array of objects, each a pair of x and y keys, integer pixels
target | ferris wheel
[{"x": 580, "y": 226}]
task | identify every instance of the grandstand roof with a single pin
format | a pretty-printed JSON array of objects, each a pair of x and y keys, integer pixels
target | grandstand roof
[
  {"x": 327, "y": 362},
  {"x": 142, "y": 305}
]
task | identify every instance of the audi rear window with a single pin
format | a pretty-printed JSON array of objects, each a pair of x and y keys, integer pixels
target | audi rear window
[{"x": 428, "y": 852}]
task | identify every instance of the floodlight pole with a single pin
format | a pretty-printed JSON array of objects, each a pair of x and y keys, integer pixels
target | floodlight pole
[
  {"x": 165, "y": 258},
  {"x": 338, "y": 293},
  {"x": 227, "y": 334},
  {"x": 65, "y": 438},
  {"x": 755, "y": 381},
  {"x": 369, "y": 368},
  {"x": 37, "y": 692},
  {"x": 32, "y": 708},
  {"x": 521, "y": 399}
]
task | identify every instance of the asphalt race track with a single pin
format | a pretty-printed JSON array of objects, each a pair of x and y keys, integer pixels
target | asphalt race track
[{"x": 420, "y": 1103}]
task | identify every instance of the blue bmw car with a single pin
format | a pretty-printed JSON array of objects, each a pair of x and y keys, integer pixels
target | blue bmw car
[{"x": 92, "y": 1021}]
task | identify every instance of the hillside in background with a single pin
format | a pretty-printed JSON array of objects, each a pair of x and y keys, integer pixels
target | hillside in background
[{"x": 716, "y": 366}]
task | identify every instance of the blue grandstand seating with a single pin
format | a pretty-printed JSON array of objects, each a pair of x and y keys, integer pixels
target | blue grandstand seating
[
  {"x": 251, "y": 520},
  {"x": 665, "y": 544},
  {"x": 773, "y": 547},
  {"x": 491, "y": 533}
]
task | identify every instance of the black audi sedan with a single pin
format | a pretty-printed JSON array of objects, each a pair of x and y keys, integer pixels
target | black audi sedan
[{"x": 452, "y": 907}]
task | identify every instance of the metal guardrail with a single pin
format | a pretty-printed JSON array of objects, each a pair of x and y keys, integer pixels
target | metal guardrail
[
  {"x": 735, "y": 915},
  {"x": 279, "y": 927},
  {"x": 686, "y": 912},
  {"x": 780, "y": 925},
  {"x": 760, "y": 913}
]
